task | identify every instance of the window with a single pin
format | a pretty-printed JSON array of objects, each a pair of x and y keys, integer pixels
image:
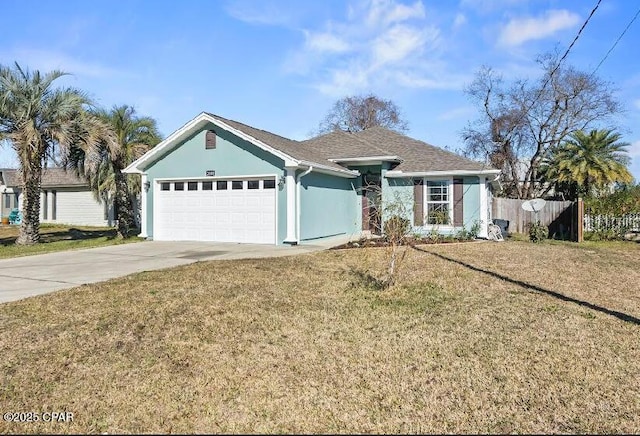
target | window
[
  {"x": 178, "y": 186},
  {"x": 7, "y": 201},
  {"x": 437, "y": 202},
  {"x": 269, "y": 184},
  {"x": 210, "y": 140},
  {"x": 192, "y": 186},
  {"x": 165, "y": 186},
  {"x": 207, "y": 186},
  {"x": 237, "y": 184},
  {"x": 253, "y": 184},
  {"x": 221, "y": 185}
]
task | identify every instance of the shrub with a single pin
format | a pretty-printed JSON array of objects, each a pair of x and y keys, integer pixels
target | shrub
[
  {"x": 396, "y": 228},
  {"x": 538, "y": 232}
]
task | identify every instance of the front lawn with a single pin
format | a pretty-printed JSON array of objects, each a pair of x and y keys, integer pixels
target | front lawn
[
  {"x": 477, "y": 337},
  {"x": 54, "y": 237}
]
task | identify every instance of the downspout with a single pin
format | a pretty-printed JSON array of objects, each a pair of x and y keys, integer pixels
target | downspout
[{"x": 300, "y": 176}]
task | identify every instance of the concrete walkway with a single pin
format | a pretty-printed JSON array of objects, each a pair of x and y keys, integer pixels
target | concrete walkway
[{"x": 27, "y": 276}]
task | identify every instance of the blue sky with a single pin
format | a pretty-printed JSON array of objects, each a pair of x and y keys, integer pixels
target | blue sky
[{"x": 280, "y": 65}]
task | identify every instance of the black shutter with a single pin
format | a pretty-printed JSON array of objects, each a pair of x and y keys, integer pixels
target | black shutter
[{"x": 458, "y": 209}]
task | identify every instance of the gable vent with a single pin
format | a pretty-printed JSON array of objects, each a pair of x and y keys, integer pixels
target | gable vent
[{"x": 210, "y": 140}]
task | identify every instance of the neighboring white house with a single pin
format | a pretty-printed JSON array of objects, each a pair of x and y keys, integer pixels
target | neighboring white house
[{"x": 65, "y": 199}]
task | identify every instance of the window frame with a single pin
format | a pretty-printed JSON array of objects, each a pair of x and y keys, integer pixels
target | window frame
[
  {"x": 448, "y": 202},
  {"x": 264, "y": 186}
]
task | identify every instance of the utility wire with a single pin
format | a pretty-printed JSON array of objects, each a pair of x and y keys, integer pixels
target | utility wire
[
  {"x": 555, "y": 69},
  {"x": 617, "y": 41}
]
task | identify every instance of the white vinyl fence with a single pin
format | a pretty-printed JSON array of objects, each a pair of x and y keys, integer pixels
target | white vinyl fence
[{"x": 624, "y": 223}]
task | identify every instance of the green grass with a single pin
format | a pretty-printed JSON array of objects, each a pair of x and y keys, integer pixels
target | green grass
[
  {"x": 479, "y": 337},
  {"x": 58, "y": 238}
]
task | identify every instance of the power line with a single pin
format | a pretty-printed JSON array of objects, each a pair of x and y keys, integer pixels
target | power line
[
  {"x": 555, "y": 69},
  {"x": 566, "y": 53},
  {"x": 617, "y": 41}
]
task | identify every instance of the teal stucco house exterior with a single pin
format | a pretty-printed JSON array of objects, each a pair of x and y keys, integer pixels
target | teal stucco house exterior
[{"x": 216, "y": 179}]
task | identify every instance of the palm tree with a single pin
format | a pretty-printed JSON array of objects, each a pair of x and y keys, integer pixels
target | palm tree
[
  {"x": 587, "y": 162},
  {"x": 38, "y": 119},
  {"x": 135, "y": 135}
]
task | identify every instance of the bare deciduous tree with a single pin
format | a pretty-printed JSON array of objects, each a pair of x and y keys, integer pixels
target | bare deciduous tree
[
  {"x": 356, "y": 113},
  {"x": 522, "y": 121}
]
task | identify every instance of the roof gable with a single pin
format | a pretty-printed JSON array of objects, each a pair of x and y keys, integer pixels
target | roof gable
[
  {"x": 284, "y": 148},
  {"x": 418, "y": 156},
  {"x": 325, "y": 151}
]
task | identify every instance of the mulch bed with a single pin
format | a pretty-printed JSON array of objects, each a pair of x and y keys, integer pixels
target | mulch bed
[{"x": 383, "y": 242}]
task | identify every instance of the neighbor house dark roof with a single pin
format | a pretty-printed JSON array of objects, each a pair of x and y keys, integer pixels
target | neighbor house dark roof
[{"x": 51, "y": 178}]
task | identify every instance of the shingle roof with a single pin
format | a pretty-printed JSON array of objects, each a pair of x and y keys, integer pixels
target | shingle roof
[
  {"x": 51, "y": 178},
  {"x": 417, "y": 155},
  {"x": 288, "y": 146}
]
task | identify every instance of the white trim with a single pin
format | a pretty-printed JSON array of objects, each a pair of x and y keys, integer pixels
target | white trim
[
  {"x": 234, "y": 177},
  {"x": 369, "y": 159},
  {"x": 484, "y": 208},
  {"x": 290, "y": 183},
  {"x": 319, "y": 168},
  {"x": 200, "y": 121},
  {"x": 298, "y": 201},
  {"x": 143, "y": 207},
  {"x": 425, "y": 201},
  {"x": 447, "y": 173},
  {"x": 193, "y": 125}
]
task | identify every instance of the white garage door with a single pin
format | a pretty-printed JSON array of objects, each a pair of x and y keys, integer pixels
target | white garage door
[{"x": 234, "y": 210}]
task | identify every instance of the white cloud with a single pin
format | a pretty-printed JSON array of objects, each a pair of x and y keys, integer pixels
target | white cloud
[
  {"x": 399, "y": 42},
  {"x": 520, "y": 30},
  {"x": 389, "y": 12},
  {"x": 378, "y": 43},
  {"x": 326, "y": 42},
  {"x": 636, "y": 103},
  {"x": 459, "y": 21},
  {"x": 634, "y": 149}
]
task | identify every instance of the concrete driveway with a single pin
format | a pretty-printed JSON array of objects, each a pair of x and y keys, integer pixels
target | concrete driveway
[{"x": 27, "y": 276}]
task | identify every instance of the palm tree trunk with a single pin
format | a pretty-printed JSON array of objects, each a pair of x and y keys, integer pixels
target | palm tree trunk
[
  {"x": 124, "y": 210},
  {"x": 30, "y": 226}
]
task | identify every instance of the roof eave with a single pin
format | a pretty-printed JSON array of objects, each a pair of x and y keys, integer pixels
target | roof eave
[
  {"x": 401, "y": 174},
  {"x": 140, "y": 165},
  {"x": 320, "y": 168},
  {"x": 368, "y": 159}
]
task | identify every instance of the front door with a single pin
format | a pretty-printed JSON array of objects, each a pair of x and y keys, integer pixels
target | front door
[{"x": 371, "y": 204}]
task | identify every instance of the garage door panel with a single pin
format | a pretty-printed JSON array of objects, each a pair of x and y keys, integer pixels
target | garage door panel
[{"x": 231, "y": 215}]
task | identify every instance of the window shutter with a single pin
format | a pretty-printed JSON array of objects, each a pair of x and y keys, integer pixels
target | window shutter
[
  {"x": 418, "y": 202},
  {"x": 458, "y": 209},
  {"x": 210, "y": 140}
]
